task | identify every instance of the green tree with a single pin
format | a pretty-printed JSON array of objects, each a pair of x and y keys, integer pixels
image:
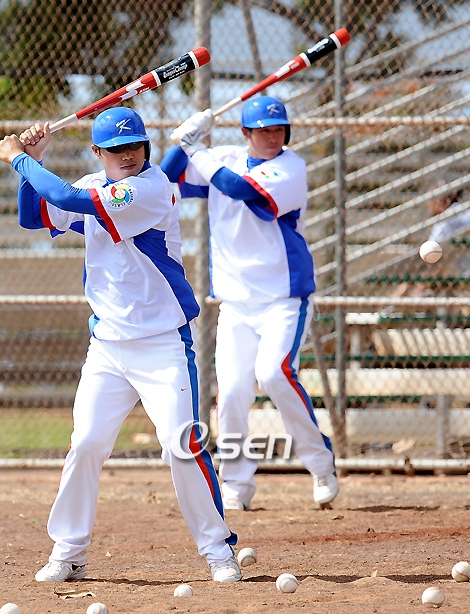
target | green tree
[{"x": 43, "y": 41}]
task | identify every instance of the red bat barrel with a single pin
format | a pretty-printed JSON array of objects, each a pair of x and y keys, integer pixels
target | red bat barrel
[
  {"x": 327, "y": 45},
  {"x": 318, "y": 51}
]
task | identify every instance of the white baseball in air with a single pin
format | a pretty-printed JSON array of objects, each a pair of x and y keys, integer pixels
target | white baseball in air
[
  {"x": 247, "y": 556},
  {"x": 430, "y": 252},
  {"x": 461, "y": 571},
  {"x": 432, "y": 597},
  {"x": 287, "y": 583},
  {"x": 10, "y": 608},
  {"x": 184, "y": 590},
  {"x": 97, "y": 608}
]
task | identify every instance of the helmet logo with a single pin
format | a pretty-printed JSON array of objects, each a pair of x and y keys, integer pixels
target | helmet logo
[
  {"x": 122, "y": 125},
  {"x": 273, "y": 108}
]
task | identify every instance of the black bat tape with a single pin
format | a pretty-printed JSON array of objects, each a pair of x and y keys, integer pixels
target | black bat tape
[
  {"x": 175, "y": 68},
  {"x": 322, "y": 48}
]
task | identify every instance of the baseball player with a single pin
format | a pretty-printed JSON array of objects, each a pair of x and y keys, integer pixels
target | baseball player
[
  {"x": 262, "y": 271},
  {"x": 142, "y": 332}
]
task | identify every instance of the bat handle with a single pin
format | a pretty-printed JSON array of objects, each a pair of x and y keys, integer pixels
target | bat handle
[
  {"x": 63, "y": 123},
  {"x": 174, "y": 136},
  {"x": 228, "y": 106}
]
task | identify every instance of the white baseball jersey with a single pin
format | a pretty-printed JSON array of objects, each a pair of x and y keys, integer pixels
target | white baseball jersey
[
  {"x": 134, "y": 279},
  {"x": 258, "y": 253}
]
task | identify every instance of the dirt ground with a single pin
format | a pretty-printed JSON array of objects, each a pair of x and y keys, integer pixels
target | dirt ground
[{"x": 386, "y": 539}]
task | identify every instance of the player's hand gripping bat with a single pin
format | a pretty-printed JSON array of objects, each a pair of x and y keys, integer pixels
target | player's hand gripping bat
[{"x": 172, "y": 70}]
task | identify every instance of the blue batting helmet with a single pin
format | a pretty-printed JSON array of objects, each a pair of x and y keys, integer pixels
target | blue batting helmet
[
  {"x": 118, "y": 126},
  {"x": 265, "y": 111}
]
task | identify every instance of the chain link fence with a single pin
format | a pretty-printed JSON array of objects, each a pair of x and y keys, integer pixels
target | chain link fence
[{"x": 384, "y": 128}]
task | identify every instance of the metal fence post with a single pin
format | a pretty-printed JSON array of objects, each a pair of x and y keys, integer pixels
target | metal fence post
[
  {"x": 443, "y": 403},
  {"x": 246, "y": 6},
  {"x": 340, "y": 251},
  {"x": 338, "y": 427},
  {"x": 205, "y": 321}
]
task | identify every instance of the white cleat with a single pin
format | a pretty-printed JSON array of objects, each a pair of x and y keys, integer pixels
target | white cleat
[
  {"x": 60, "y": 571},
  {"x": 325, "y": 490},
  {"x": 232, "y": 503},
  {"x": 227, "y": 571}
]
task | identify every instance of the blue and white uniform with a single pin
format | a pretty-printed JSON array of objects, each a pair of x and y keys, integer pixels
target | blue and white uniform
[
  {"x": 262, "y": 271},
  {"x": 257, "y": 249},
  {"x": 142, "y": 345}
]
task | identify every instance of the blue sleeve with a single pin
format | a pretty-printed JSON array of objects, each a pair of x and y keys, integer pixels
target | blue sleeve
[
  {"x": 234, "y": 186},
  {"x": 174, "y": 164},
  {"x": 52, "y": 188},
  {"x": 238, "y": 188},
  {"x": 29, "y": 206},
  {"x": 29, "y": 210}
]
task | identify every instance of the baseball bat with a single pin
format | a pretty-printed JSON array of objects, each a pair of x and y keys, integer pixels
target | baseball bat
[
  {"x": 303, "y": 60},
  {"x": 169, "y": 71}
]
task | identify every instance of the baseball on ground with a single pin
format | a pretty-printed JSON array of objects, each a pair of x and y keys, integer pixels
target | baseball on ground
[
  {"x": 97, "y": 608},
  {"x": 430, "y": 252},
  {"x": 287, "y": 583},
  {"x": 184, "y": 590},
  {"x": 247, "y": 556},
  {"x": 432, "y": 597},
  {"x": 10, "y": 608},
  {"x": 461, "y": 571}
]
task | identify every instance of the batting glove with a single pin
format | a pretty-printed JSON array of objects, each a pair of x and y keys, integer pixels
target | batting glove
[
  {"x": 191, "y": 148},
  {"x": 191, "y": 132}
]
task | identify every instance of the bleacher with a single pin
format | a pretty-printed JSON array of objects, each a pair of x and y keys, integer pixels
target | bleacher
[
  {"x": 42, "y": 346},
  {"x": 395, "y": 359}
]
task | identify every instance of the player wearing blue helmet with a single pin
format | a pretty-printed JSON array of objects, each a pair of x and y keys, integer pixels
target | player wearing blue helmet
[
  {"x": 263, "y": 274},
  {"x": 142, "y": 332},
  {"x": 265, "y": 111},
  {"x": 120, "y": 126}
]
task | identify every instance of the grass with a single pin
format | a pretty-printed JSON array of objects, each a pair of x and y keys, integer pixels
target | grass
[{"x": 46, "y": 433}]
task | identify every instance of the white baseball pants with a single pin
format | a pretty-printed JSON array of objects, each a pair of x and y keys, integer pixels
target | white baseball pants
[
  {"x": 261, "y": 343},
  {"x": 161, "y": 371}
]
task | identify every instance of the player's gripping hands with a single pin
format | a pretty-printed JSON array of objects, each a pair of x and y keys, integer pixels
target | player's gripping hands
[
  {"x": 36, "y": 140},
  {"x": 191, "y": 132},
  {"x": 10, "y": 147}
]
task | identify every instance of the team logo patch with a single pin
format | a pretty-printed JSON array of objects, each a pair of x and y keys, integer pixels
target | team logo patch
[{"x": 121, "y": 195}]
